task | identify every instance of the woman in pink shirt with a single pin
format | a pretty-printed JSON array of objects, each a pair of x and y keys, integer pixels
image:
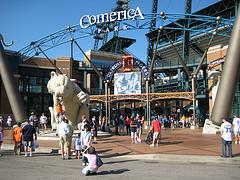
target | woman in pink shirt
[{"x": 91, "y": 168}]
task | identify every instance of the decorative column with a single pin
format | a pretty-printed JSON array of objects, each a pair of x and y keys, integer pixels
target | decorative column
[
  {"x": 230, "y": 77},
  {"x": 14, "y": 97}
]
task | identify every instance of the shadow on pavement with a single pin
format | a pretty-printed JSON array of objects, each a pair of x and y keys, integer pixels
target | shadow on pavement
[
  {"x": 46, "y": 154},
  {"x": 7, "y": 152},
  {"x": 11, "y": 153},
  {"x": 116, "y": 141},
  {"x": 115, "y": 162},
  {"x": 236, "y": 155},
  {"x": 102, "y": 151},
  {"x": 54, "y": 151},
  {"x": 115, "y": 154},
  {"x": 115, "y": 171},
  {"x": 171, "y": 142}
]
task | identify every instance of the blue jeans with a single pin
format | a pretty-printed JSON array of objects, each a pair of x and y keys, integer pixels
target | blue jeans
[
  {"x": 225, "y": 145},
  {"x": 87, "y": 171}
]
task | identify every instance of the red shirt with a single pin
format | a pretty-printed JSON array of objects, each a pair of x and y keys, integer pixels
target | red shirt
[
  {"x": 156, "y": 126},
  {"x": 127, "y": 121}
]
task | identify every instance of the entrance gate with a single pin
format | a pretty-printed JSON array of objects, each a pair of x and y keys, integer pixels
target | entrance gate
[{"x": 134, "y": 19}]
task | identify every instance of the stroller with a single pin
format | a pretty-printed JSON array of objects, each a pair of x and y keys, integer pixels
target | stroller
[{"x": 149, "y": 138}]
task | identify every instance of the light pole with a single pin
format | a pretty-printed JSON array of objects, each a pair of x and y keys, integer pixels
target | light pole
[
  {"x": 147, "y": 102},
  {"x": 109, "y": 102},
  {"x": 194, "y": 100},
  {"x": 106, "y": 99}
]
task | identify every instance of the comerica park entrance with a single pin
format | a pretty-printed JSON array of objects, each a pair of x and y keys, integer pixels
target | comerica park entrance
[
  {"x": 179, "y": 76},
  {"x": 127, "y": 93}
]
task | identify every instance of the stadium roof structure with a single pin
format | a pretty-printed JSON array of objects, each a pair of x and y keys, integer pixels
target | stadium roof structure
[
  {"x": 216, "y": 19},
  {"x": 117, "y": 44}
]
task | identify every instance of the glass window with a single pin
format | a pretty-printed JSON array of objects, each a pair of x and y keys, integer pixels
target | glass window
[
  {"x": 44, "y": 85},
  {"x": 23, "y": 84},
  {"x": 47, "y": 101},
  {"x": 35, "y": 85},
  {"x": 35, "y": 104}
]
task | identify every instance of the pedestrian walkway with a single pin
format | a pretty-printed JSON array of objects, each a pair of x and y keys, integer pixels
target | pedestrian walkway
[
  {"x": 177, "y": 141},
  {"x": 178, "y": 145}
]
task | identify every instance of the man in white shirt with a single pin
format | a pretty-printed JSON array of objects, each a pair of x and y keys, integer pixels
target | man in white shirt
[
  {"x": 236, "y": 128},
  {"x": 226, "y": 135},
  {"x": 9, "y": 122},
  {"x": 43, "y": 122},
  {"x": 62, "y": 131}
]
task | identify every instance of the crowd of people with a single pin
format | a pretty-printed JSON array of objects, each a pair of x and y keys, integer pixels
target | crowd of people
[
  {"x": 172, "y": 121},
  {"x": 24, "y": 134},
  {"x": 9, "y": 121},
  {"x": 133, "y": 126},
  {"x": 39, "y": 122}
]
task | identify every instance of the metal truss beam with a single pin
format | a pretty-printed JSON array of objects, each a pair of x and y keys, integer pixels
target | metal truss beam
[
  {"x": 196, "y": 48},
  {"x": 205, "y": 25},
  {"x": 153, "y": 23},
  {"x": 143, "y": 97},
  {"x": 186, "y": 33}
]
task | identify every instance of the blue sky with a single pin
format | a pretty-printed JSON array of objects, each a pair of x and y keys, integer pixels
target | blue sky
[{"x": 24, "y": 21}]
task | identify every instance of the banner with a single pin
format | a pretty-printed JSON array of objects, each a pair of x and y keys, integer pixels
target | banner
[{"x": 127, "y": 83}]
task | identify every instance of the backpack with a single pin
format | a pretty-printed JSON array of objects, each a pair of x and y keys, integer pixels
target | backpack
[
  {"x": 99, "y": 162},
  {"x": 149, "y": 138}
]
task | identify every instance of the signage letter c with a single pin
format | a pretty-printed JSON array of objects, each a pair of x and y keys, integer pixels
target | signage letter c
[{"x": 82, "y": 22}]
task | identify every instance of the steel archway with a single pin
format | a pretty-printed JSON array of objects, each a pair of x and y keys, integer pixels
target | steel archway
[{"x": 198, "y": 24}]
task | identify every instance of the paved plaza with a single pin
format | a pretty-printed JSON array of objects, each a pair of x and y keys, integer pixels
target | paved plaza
[
  {"x": 50, "y": 166},
  {"x": 177, "y": 142},
  {"x": 183, "y": 153}
]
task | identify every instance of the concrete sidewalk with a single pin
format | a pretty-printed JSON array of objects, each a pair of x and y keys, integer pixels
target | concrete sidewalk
[
  {"x": 178, "y": 145},
  {"x": 173, "y": 158},
  {"x": 170, "y": 158}
]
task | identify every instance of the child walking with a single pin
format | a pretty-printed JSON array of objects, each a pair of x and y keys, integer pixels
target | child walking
[{"x": 77, "y": 146}]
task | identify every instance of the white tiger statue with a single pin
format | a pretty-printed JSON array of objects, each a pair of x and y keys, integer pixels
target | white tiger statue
[{"x": 74, "y": 100}]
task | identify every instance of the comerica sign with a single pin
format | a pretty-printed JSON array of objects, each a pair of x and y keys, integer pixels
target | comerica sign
[{"x": 131, "y": 14}]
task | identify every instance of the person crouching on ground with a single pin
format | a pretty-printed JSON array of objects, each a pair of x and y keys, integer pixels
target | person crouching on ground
[
  {"x": 91, "y": 156},
  {"x": 17, "y": 138}
]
